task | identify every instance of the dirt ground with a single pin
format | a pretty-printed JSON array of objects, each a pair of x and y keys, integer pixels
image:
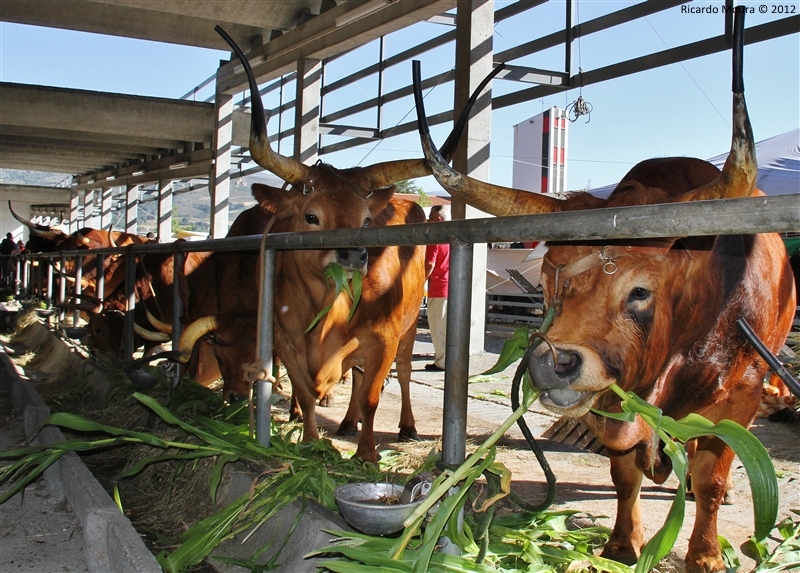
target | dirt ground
[{"x": 583, "y": 480}]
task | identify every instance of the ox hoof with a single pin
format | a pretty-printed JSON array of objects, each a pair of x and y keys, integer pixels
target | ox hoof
[
  {"x": 707, "y": 564},
  {"x": 409, "y": 435},
  {"x": 347, "y": 429},
  {"x": 730, "y": 498},
  {"x": 327, "y": 401},
  {"x": 621, "y": 552}
]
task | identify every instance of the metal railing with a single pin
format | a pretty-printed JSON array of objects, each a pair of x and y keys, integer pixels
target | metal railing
[{"x": 723, "y": 217}]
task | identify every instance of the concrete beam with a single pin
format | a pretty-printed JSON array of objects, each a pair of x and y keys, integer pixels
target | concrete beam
[
  {"x": 322, "y": 37},
  {"x": 34, "y": 194}
]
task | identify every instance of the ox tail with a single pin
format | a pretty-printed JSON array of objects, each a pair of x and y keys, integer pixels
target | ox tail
[{"x": 738, "y": 177}]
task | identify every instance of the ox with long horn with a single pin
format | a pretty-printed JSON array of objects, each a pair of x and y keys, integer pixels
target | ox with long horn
[{"x": 657, "y": 319}]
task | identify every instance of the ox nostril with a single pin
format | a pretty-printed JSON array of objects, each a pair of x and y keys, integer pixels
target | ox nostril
[
  {"x": 364, "y": 256},
  {"x": 546, "y": 374},
  {"x": 569, "y": 362}
]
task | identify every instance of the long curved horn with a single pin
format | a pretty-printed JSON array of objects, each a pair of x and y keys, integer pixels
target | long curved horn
[
  {"x": 389, "y": 172},
  {"x": 161, "y": 326},
  {"x": 490, "y": 198},
  {"x": 192, "y": 334},
  {"x": 111, "y": 242},
  {"x": 150, "y": 335},
  {"x": 286, "y": 168},
  {"x": 35, "y": 229},
  {"x": 739, "y": 174}
]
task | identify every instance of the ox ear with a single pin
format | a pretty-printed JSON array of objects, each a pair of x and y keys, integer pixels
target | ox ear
[
  {"x": 379, "y": 198},
  {"x": 272, "y": 199}
]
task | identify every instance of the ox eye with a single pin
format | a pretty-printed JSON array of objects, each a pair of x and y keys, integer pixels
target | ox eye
[
  {"x": 311, "y": 219},
  {"x": 639, "y": 294},
  {"x": 367, "y": 221}
]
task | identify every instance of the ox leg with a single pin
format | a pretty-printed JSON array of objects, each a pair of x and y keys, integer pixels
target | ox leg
[
  {"x": 405, "y": 352},
  {"x": 710, "y": 468},
  {"x": 349, "y": 425},
  {"x": 627, "y": 539},
  {"x": 369, "y": 394}
]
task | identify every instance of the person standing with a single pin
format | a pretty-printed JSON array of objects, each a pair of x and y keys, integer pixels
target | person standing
[
  {"x": 437, "y": 271},
  {"x": 7, "y": 248}
]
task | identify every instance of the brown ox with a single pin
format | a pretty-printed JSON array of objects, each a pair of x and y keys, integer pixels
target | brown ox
[
  {"x": 384, "y": 323},
  {"x": 658, "y": 319},
  {"x": 49, "y": 240}
]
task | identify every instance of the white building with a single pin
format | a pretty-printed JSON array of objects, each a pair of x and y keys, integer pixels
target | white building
[{"x": 540, "y": 153}]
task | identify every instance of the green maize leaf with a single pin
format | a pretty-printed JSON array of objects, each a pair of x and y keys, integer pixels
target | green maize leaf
[
  {"x": 513, "y": 349},
  {"x": 459, "y": 564},
  {"x": 373, "y": 558},
  {"x": 505, "y": 486},
  {"x": 751, "y": 452},
  {"x": 350, "y": 567},
  {"x": 216, "y": 474},
  {"x": 73, "y": 422},
  {"x": 43, "y": 463},
  {"x": 729, "y": 556},
  {"x": 448, "y": 507},
  {"x": 117, "y": 498},
  {"x": 144, "y": 462},
  {"x": 201, "y": 539},
  {"x": 169, "y": 418},
  {"x": 317, "y": 318},
  {"x": 664, "y": 539},
  {"x": 356, "y": 295}
]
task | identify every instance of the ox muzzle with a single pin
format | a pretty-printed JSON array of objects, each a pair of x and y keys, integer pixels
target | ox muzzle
[
  {"x": 553, "y": 370},
  {"x": 353, "y": 259}
]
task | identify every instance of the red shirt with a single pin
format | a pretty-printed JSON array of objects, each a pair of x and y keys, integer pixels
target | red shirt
[{"x": 439, "y": 257}]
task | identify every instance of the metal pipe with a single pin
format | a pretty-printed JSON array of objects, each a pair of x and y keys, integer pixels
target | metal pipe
[
  {"x": 62, "y": 289},
  {"x": 76, "y": 314},
  {"x": 17, "y": 278},
  {"x": 459, "y": 302},
  {"x": 266, "y": 310},
  {"x": 768, "y": 357},
  {"x": 130, "y": 307},
  {"x": 775, "y": 214},
  {"x": 49, "y": 295},
  {"x": 177, "y": 307},
  {"x": 100, "y": 262}
]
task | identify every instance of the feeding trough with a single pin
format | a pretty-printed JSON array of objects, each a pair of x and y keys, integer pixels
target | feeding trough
[
  {"x": 75, "y": 332},
  {"x": 379, "y": 508}
]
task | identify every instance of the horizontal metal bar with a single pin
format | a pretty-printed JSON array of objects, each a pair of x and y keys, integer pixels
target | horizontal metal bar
[{"x": 775, "y": 214}]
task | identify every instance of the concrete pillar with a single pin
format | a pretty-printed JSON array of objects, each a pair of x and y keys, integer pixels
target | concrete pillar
[
  {"x": 220, "y": 179},
  {"x": 307, "y": 111},
  {"x": 75, "y": 210},
  {"x": 105, "y": 208},
  {"x": 132, "y": 209},
  {"x": 474, "y": 22},
  {"x": 89, "y": 198},
  {"x": 164, "y": 231}
]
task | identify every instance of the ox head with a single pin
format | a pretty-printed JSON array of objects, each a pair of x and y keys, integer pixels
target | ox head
[{"x": 622, "y": 305}]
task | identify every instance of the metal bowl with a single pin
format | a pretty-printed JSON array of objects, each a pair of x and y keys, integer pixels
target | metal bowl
[
  {"x": 76, "y": 332},
  {"x": 374, "y": 508}
]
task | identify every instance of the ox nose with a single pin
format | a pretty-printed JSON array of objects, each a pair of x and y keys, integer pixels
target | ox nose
[
  {"x": 352, "y": 259},
  {"x": 546, "y": 374}
]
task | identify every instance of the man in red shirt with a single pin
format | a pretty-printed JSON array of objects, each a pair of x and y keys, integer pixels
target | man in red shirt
[{"x": 437, "y": 270}]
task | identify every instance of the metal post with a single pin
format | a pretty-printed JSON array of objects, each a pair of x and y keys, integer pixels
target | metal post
[
  {"x": 76, "y": 315},
  {"x": 459, "y": 301},
  {"x": 49, "y": 296},
  {"x": 130, "y": 279},
  {"x": 100, "y": 262},
  {"x": 62, "y": 289},
  {"x": 177, "y": 308},
  {"x": 17, "y": 277},
  {"x": 266, "y": 310}
]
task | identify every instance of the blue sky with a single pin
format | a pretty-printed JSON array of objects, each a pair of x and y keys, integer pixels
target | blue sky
[{"x": 682, "y": 109}]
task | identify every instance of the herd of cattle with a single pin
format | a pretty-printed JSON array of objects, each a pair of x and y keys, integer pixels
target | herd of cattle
[{"x": 656, "y": 318}]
